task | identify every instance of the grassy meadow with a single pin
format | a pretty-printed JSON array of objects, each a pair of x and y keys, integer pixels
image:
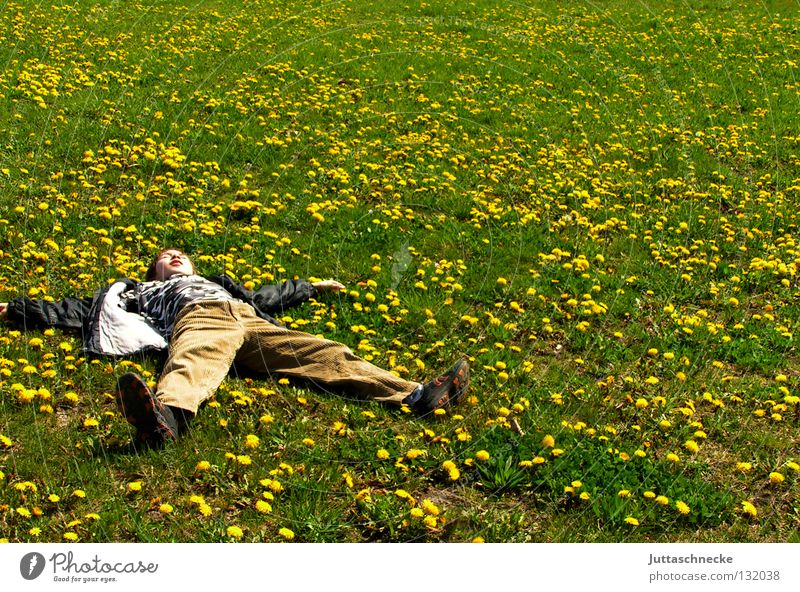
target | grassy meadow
[{"x": 596, "y": 203}]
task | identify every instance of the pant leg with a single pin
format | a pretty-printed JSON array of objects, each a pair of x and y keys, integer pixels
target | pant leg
[
  {"x": 327, "y": 364},
  {"x": 204, "y": 343}
]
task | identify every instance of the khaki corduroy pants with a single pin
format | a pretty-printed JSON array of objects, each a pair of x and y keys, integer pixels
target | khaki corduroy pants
[{"x": 209, "y": 336}]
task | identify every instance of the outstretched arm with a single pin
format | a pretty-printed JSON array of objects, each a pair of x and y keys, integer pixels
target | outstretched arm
[
  {"x": 39, "y": 314},
  {"x": 328, "y": 286}
]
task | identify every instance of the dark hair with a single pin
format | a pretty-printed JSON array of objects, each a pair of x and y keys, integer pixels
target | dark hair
[{"x": 150, "y": 275}]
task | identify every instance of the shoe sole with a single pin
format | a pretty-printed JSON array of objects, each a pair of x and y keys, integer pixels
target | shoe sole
[
  {"x": 460, "y": 383},
  {"x": 458, "y": 377},
  {"x": 142, "y": 410}
]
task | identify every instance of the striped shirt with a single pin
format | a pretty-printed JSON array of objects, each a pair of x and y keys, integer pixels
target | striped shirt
[{"x": 160, "y": 301}]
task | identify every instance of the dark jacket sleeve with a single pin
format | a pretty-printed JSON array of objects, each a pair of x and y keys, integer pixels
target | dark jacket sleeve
[
  {"x": 274, "y": 299},
  {"x": 69, "y": 313},
  {"x": 270, "y": 299}
]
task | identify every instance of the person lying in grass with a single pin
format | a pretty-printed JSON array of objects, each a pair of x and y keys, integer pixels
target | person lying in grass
[{"x": 207, "y": 324}]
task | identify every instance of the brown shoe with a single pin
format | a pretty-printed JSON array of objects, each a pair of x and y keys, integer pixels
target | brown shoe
[
  {"x": 154, "y": 422},
  {"x": 445, "y": 390}
]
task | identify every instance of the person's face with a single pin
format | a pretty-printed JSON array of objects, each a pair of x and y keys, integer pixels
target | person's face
[{"x": 172, "y": 262}]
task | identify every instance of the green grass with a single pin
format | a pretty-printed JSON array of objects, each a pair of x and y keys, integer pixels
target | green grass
[{"x": 597, "y": 204}]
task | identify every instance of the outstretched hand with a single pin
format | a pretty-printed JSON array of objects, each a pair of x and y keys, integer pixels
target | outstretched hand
[
  {"x": 3, "y": 310},
  {"x": 328, "y": 286}
]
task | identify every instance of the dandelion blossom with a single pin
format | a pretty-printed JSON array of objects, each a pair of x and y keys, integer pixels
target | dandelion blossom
[
  {"x": 775, "y": 478},
  {"x": 749, "y": 509}
]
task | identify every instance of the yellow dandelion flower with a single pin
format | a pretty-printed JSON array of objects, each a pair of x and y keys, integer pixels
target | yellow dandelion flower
[
  {"x": 430, "y": 507},
  {"x": 775, "y": 477},
  {"x": 749, "y": 509},
  {"x": 286, "y": 533}
]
